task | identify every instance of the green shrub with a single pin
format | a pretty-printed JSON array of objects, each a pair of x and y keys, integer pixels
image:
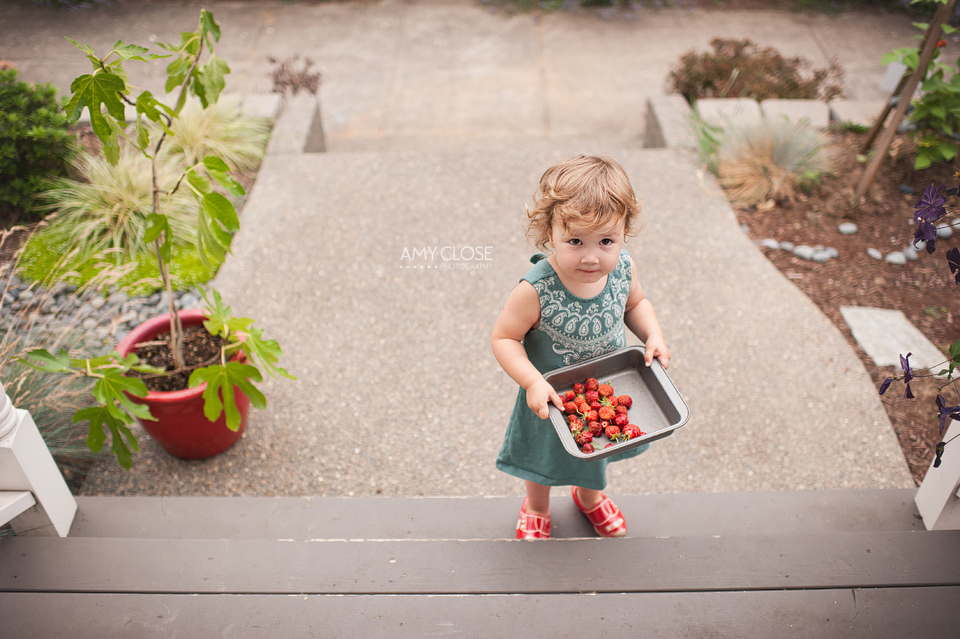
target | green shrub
[
  {"x": 741, "y": 69},
  {"x": 35, "y": 143}
]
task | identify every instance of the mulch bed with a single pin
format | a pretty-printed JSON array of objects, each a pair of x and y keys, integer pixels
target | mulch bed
[{"x": 924, "y": 290}]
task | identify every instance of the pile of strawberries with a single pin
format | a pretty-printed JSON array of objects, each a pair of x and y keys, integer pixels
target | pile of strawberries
[{"x": 592, "y": 409}]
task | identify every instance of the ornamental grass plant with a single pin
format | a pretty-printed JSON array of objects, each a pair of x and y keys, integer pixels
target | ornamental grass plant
[
  {"x": 107, "y": 207},
  {"x": 219, "y": 130},
  {"x": 54, "y": 316},
  {"x": 771, "y": 160}
]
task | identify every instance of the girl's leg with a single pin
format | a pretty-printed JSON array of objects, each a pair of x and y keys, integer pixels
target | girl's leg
[
  {"x": 606, "y": 518},
  {"x": 538, "y": 499},
  {"x": 589, "y": 498}
]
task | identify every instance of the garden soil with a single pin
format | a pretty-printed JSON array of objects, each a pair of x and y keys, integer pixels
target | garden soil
[{"x": 924, "y": 290}]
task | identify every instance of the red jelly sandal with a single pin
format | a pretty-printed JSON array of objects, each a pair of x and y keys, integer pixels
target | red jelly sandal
[
  {"x": 532, "y": 526},
  {"x": 605, "y": 517}
]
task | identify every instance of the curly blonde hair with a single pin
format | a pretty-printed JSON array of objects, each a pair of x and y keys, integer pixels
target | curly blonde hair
[{"x": 584, "y": 193}]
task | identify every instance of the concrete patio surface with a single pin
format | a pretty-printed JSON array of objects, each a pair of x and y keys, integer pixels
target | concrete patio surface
[{"x": 439, "y": 118}]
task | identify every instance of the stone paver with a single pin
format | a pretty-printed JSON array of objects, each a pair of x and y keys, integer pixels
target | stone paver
[
  {"x": 814, "y": 112},
  {"x": 885, "y": 335}
]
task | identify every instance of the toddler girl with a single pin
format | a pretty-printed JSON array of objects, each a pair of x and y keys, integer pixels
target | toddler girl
[{"x": 571, "y": 306}]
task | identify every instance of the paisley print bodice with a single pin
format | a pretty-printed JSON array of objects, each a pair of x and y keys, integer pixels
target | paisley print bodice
[{"x": 571, "y": 328}]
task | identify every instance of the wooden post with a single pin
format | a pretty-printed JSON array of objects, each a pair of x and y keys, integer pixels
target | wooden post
[
  {"x": 26, "y": 466},
  {"x": 909, "y": 88},
  {"x": 937, "y": 498}
]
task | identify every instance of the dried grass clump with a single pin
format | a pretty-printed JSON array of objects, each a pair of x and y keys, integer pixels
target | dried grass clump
[{"x": 771, "y": 161}]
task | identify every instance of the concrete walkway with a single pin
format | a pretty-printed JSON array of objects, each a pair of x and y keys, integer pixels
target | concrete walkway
[{"x": 440, "y": 117}]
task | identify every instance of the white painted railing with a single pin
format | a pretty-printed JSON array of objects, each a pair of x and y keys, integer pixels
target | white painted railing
[
  {"x": 34, "y": 498},
  {"x": 938, "y": 498}
]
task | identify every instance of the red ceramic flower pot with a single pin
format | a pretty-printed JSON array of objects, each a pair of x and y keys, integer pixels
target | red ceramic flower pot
[{"x": 181, "y": 427}]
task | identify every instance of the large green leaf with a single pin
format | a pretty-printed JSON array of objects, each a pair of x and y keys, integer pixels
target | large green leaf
[
  {"x": 264, "y": 352},
  {"x": 219, "y": 396},
  {"x": 219, "y": 171},
  {"x": 99, "y": 416},
  {"x": 135, "y": 52},
  {"x": 109, "y": 391},
  {"x": 212, "y": 77},
  {"x": 208, "y": 25},
  {"x": 59, "y": 363},
  {"x": 92, "y": 90}
]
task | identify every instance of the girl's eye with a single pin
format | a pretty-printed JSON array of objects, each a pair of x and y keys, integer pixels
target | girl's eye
[
  {"x": 574, "y": 241},
  {"x": 606, "y": 241}
]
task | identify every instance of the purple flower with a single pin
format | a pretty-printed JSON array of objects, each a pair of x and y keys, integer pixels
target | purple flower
[
  {"x": 953, "y": 261},
  {"x": 930, "y": 207},
  {"x": 907, "y": 374},
  {"x": 885, "y": 385},
  {"x": 944, "y": 411},
  {"x": 926, "y": 232}
]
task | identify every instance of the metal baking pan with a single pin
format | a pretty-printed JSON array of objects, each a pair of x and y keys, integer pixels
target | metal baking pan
[{"x": 658, "y": 409}]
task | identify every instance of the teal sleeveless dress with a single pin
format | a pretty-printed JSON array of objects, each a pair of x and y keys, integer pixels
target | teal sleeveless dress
[{"x": 571, "y": 329}]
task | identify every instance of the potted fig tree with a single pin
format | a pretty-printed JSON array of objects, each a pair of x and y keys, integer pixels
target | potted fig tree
[{"x": 206, "y": 413}]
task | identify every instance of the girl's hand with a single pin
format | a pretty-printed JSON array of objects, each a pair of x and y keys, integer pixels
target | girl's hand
[
  {"x": 655, "y": 346},
  {"x": 539, "y": 396}
]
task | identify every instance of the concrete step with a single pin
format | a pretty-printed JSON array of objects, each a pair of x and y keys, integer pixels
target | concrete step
[{"x": 372, "y": 518}]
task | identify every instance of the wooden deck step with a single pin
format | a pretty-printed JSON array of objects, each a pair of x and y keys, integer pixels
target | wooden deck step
[
  {"x": 405, "y": 567},
  {"x": 869, "y": 613},
  {"x": 671, "y": 515}
]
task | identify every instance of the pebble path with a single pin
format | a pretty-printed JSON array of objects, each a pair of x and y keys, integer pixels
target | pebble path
[
  {"x": 106, "y": 315},
  {"x": 819, "y": 253}
]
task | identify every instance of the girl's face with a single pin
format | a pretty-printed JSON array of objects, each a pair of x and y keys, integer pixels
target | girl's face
[{"x": 585, "y": 257}]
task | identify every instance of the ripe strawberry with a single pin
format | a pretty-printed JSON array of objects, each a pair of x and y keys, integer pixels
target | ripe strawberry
[
  {"x": 606, "y": 413},
  {"x": 575, "y": 422},
  {"x": 612, "y": 432},
  {"x": 569, "y": 408},
  {"x": 591, "y": 416},
  {"x": 583, "y": 437},
  {"x": 625, "y": 400},
  {"x": 595, "y": 429},
  {"x": 609, "y": 445},
  {"x": 592, "y": 396},
  {"x": 592, "y": 384},
  {"x": 621, "y": 419},
  {"x": 604, "y": 423},
  {"x": 605, "y": 390},
  {"x": 595, "y": 406},
  {"x": 579, "y": 400},
  {"x": 587, "y": 448},
  {"x": 578, "y": 389},
  {"x": 612, "y": 401},
  {"x": 632, "y": 431},
  {"x": 621, "y": 409},
  {"x": 568, "y": 396}
]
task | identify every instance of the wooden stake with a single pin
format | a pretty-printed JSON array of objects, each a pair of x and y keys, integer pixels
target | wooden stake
[{"x": 909, "y": 88}]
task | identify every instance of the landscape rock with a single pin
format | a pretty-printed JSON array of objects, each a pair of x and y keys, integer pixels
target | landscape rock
[
  {"x": 848, "y": 228},
  {"x": 874, "y": 253}
]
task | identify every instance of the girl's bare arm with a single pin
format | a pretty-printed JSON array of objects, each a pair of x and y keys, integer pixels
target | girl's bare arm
[
  {"x": 521, "y": 313},
  {"x": 640, "y": 318}
]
